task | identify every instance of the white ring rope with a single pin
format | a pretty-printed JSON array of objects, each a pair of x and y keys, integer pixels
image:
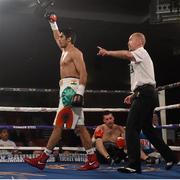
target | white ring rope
[
  {"x": 174, "y": 148},
  {"x": 46, "y": 109},
  {"x": 174, "y": 106},
  {"x": 42, "y": 148}
]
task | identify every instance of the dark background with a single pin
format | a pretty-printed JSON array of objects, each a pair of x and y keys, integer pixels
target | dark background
[{"x": 29, "y": 56}]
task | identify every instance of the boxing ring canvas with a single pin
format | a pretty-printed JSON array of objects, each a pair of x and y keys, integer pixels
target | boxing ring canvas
[{"x": 69, "y": 171}]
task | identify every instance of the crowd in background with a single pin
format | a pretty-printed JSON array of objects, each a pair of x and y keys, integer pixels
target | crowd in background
[{"x": 39, "y": 137}]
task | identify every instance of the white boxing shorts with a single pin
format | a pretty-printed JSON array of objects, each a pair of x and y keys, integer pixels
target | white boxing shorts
[{"x": 67, "y": 116}]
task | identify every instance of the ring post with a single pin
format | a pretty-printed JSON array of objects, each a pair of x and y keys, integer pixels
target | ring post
[{"x": 162, "y": 102}]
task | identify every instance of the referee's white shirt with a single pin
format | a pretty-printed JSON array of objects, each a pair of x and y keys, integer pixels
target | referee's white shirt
[{"x": 142, "y": 69}]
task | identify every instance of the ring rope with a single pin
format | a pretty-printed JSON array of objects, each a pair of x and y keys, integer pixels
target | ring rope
[
  {"x": 7, "y": 89},
  {"x": 41, "y": 148},
  {"x": 26, "y": 127},
  {"x": 46, "y": 109},
  {"x": 107, "y": 91},
  {"x": 168, "y": 126},
  {"x": 174, "y": 148},
  {"x": 168, "y": 86},
  {"x": 174, "y": 106}
]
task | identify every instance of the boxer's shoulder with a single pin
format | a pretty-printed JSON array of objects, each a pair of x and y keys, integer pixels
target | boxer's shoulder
[
  {"x": 75, "y": 51},
  {"x": 100, "y": 126}
]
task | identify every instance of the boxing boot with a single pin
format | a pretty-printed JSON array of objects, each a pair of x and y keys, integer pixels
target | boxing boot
[
  {"x": 38, "y": 162},
  {"x": 91, "y": 163}
]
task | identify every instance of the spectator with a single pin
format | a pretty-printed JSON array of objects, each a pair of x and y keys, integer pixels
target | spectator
[{"x": 5, "y": 142}]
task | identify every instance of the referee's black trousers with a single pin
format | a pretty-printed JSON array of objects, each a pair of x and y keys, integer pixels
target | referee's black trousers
[{"x": 140, "y": 118}]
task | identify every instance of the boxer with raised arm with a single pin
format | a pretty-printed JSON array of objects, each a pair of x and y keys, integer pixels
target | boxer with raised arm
[{"x": 72, "y": 85}]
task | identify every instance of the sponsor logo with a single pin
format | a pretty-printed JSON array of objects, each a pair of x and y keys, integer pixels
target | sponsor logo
[
  {"x": 41, "y": 163},
  {"x": 91, "y": 163}
]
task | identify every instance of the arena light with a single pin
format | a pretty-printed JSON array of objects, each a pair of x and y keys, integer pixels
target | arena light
[
  {"x": 168, "y": 19},
  {"x": 165, "y": 11}
]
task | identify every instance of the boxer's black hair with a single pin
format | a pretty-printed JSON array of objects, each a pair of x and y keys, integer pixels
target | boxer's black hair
[
  {"x": 69, "y": 33},
  {"x": 106, "y": 113}
]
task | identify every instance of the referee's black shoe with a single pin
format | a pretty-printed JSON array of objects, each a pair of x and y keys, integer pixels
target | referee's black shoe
[
  {"x": 169, "y": 165},
  {"x": 128, "y": 170}
]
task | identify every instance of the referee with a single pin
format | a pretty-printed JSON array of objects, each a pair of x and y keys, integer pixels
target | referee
[{"x": 143, "y": 101}]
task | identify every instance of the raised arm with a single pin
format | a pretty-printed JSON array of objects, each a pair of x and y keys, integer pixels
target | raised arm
[
  {"x": 52, "y": 18},
  {"x": 123, "y": 54}
]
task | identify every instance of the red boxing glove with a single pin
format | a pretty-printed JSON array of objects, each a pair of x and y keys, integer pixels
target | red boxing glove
[
  {"x": 99, "y": 133},
  {"x": 120, "y": 142},
  {"x": 53, "y": 18}
]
